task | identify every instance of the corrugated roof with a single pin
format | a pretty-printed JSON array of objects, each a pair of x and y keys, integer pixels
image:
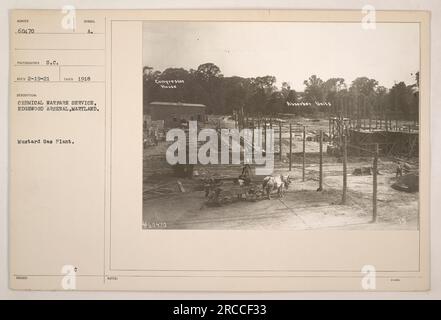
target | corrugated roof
[{"x": 180, "y": 104}]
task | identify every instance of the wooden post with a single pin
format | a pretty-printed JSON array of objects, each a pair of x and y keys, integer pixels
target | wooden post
[
  {"x": 329, "y": 129},
  {"x": 374, "y": 194},
  {"x": 370, "y": 121},
  {"x": 304, "y": 151},
  {"x": 252, "y": 138},
  {"x": 332, "y": 130},
  {"x": 347, "y": 106},
  {"x": 280, "y": 141},
  {"x": 290, "y": 147},
  {"x": 345, "y": 159},
  {"x": 364, "y": 112},
  {"x": 321, "y": 162},
  {"x": 358, "y": 113},
  {"x": 238, "y": 119},
  {"x": 264, "y": 135}
]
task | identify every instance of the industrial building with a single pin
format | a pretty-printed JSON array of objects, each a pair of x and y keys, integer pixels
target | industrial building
[{"x": 175, "y": 113}]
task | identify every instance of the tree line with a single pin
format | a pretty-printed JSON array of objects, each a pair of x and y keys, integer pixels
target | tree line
[{"x": 260, "y": 95}]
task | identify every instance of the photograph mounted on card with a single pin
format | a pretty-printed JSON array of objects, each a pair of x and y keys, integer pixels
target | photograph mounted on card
[{"x": 219, "y": 150}]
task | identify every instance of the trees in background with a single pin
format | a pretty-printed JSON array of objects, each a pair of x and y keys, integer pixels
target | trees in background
[
  {"x": 260, "y": 95},
  {"x": 314, "y": 89},
  {"x": 403, "y": 100}
]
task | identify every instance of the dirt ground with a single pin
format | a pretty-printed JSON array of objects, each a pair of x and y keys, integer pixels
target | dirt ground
[{"x": 302, "y": 207}]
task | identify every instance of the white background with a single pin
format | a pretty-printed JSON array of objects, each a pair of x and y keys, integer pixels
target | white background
[{"x": 432, "y": 5}]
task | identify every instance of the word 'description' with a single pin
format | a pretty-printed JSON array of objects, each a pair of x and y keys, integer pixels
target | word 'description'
[{"x": 249, "y": 142}]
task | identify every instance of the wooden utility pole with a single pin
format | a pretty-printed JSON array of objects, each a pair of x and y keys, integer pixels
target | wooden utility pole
[
  {"x": 374, "y": 194},
  {"x": 280, "y": 141},
  {"x": 290, "y": 147},
  {"x": 321, "y": 162},
  {"x": 345, "y": 159},
  {"x": 304, "y": 152}
]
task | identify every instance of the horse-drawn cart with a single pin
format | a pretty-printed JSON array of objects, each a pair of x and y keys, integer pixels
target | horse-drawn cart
[{"x": 218, "y": 193}]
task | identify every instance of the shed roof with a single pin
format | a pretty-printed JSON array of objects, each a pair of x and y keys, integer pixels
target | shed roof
[{"x": 178, "y": 104}]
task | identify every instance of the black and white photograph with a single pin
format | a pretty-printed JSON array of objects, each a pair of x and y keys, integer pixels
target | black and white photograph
[
  {"x": 223, "y": 151},
  {"x": 280, "y": 125}
]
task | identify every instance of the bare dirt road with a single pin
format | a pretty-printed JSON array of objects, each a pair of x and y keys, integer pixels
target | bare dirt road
[{"x": 302, "y": 207}]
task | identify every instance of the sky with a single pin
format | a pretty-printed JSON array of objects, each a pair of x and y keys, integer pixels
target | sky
[{"x": 291, "y": 52}]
